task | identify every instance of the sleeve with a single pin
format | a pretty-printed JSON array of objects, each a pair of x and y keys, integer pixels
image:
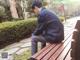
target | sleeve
[{"x": 41, "y": 26}]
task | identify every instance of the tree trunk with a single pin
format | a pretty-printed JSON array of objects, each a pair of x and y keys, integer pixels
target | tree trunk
[
  {"x": 19, "y": 10},
  {"x": 13, "y": 9}
]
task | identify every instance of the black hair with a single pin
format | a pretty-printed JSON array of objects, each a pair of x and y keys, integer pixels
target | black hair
[{"x": 37, "y": 4}]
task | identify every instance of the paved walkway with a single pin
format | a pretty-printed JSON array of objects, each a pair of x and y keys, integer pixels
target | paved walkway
[{"x": 25, "y": 44}]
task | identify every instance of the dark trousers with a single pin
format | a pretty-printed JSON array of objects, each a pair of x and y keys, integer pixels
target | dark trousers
[{"x": 34, "y": 42}]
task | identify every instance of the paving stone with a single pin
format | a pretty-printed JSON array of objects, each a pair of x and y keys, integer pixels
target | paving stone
[
  {"x": 11, "y": 51},
  {"x": 26, "y": 40},
  {"x": 21, "y": 51},
  {"x": 26, "y": 44},
  {"x": 1, "y": 50},
  {"x": 14, "y": 45}
]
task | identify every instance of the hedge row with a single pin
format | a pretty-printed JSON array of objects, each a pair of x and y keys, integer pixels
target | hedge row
[{"x": 16, "y": 30}]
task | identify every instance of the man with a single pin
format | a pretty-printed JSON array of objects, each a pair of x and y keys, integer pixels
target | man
[{"x": 49, "y": 28}]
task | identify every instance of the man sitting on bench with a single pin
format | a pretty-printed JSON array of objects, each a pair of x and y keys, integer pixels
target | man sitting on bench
[{"x": 49, "y": 28}]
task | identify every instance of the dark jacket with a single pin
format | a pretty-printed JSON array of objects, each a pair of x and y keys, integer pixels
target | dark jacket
[{"x": 49, "y": 26}]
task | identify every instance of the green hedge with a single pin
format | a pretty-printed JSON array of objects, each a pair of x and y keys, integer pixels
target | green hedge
[{"x": 16, "y": 30}]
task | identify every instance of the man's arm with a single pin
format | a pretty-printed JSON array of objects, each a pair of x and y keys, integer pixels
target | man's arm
[{"x": 41, "y": 26}]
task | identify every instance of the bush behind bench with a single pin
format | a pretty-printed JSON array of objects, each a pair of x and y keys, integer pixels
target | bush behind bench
[{"x": 16, "y": 30}]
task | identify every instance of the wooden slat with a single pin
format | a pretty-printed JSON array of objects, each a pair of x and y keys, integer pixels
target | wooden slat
[
  {"x": 38, "y": 53},
  {"x": 63, "y": 54},
  {"x": 59, "y": 51},
  {"x": 68, "y": 35},
  {"x": 68, "y": 57},
  {"x": 45, "y": 52}
]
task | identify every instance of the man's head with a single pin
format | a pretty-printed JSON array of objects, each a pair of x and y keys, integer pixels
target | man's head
[{"x": 36, "y": 5}]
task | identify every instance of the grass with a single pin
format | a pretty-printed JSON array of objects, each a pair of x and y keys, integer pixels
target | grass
[{"x": 24, "y": 56}]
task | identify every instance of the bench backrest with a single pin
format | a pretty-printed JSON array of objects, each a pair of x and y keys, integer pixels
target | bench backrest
[
  {"x": 78, "y": 25},
  {"x": 75, "y": 53}
]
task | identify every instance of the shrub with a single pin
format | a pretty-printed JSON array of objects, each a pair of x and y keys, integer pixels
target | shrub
[{"x": 16, "y": 30}]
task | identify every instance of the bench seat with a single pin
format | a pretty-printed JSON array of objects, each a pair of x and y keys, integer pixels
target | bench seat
[{"x": 55, "y": 51}]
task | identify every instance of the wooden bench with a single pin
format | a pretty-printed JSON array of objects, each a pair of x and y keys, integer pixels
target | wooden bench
[
  {"x": 75, "y": 52},
  {"x": 56, "y": 51}
]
